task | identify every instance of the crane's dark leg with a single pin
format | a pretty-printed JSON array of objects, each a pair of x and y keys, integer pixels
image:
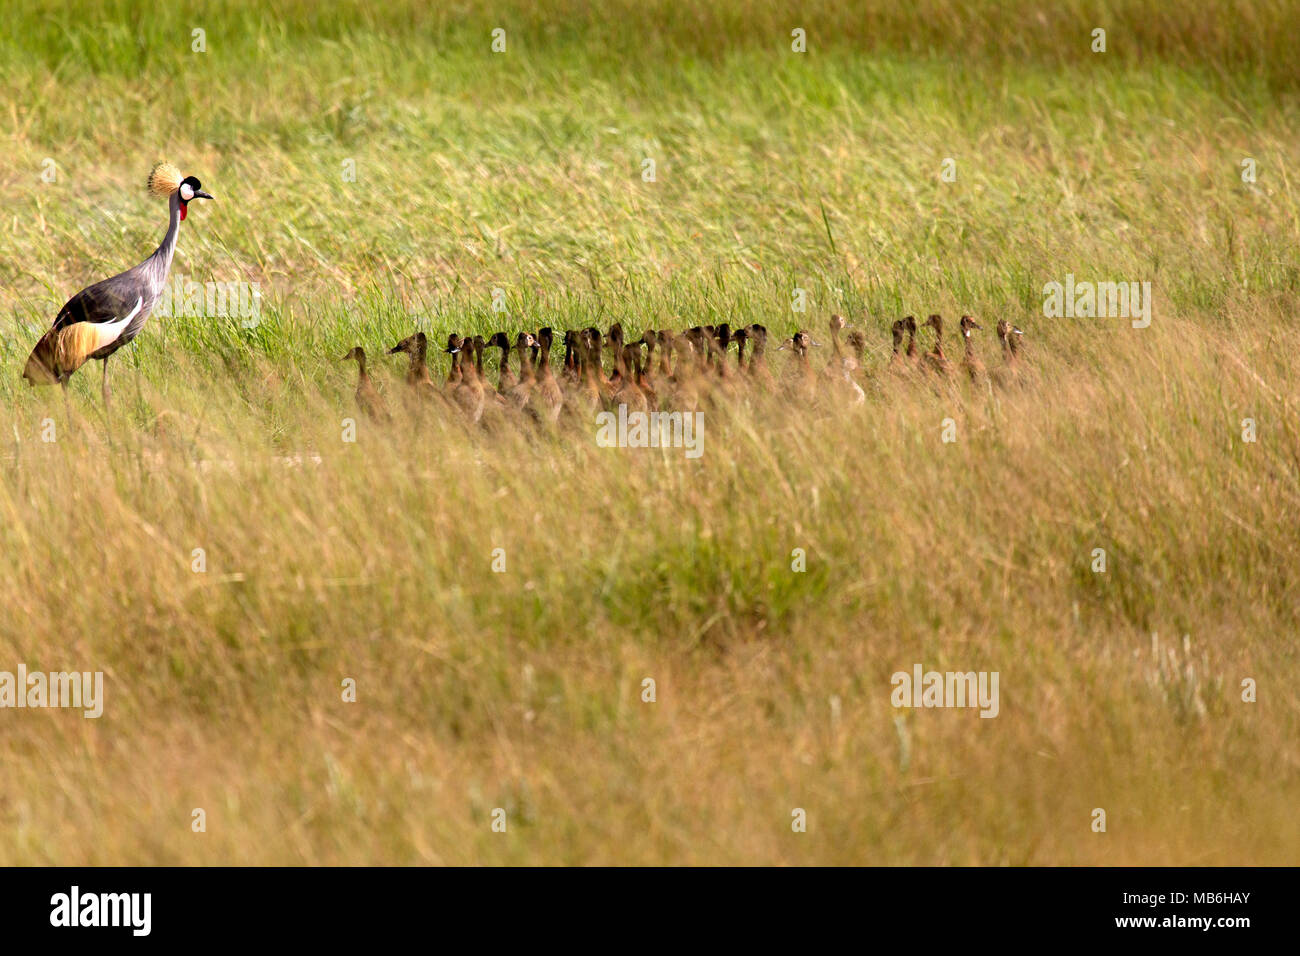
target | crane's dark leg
[{"x": 105, "y": 389}]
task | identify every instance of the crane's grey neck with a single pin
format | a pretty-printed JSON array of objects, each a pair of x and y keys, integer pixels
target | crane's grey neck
[{"x": 159, "y": 264}]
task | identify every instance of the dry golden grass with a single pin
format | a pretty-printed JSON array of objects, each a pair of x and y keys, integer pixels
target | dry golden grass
[{"x": 522, "y": 689}]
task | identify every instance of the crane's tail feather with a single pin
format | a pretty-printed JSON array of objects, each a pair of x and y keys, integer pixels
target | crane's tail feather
[
  {"x": 40, "y": 366},
  {"x": 60, "y": 352}
]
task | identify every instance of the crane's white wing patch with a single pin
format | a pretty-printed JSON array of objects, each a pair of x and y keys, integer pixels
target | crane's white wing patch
[{"x": 107, "y": 332}]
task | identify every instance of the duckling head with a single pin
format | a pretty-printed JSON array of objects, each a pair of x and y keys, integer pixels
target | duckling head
[
  {"x": 412, "y": 344},
  {"x": 799, "y": 343}
]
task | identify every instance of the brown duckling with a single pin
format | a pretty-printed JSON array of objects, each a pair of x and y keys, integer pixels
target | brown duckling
[
  {"x": 667, "y": 342},
  {"x": 804, "y": 381},
  {"x": 453, "y": 349},
  {"x": 644, "y": 379},
  {"x": 757, "y": 368},
  {"x": 520, "y": 394},
  {"x": 368, "y": 398},
  {"x": 572, "y": 370},
  {"x": 896, "y": 359},
  {"x": 547, "y": 399},
  {"x": 969, "y": 360},
  {"x": 935, "y": 360},
  {"x": 625, "y": 391},
  {"x": 468, "y": 392},
  {"x": 1010, "y": 337},
  {"x": 839, "y": 371},
  {"x": 506, "y": 377},
  {"x": 909, "y": 326},
  {"x": 590, "y": 392},
  {"x": 416, "y": 346},
  {"x": 1009, "y": 371},
  {"x": 858, "y": 343}
]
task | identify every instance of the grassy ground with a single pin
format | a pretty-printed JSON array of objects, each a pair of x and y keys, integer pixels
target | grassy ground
[{"x": 521, "y": 171}]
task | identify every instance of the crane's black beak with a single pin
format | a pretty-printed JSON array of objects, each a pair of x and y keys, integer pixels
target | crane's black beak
[{"x": 202, "y": 195}]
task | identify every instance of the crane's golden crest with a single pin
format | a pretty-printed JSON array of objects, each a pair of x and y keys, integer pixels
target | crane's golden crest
[{"x": 164, "y": 179}]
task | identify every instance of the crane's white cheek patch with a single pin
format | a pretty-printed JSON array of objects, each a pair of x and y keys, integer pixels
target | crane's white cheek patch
[{"x": 187, "y": 191}]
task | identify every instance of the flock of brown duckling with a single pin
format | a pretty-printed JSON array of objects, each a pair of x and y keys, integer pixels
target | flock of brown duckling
[{"x": 689, "y": 366}]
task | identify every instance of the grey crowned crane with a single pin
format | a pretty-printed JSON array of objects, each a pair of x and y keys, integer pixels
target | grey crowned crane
[{"x": 102, "y": 318}]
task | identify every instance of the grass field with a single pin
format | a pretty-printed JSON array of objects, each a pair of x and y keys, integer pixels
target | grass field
[{"x": 522, "y": 171}]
